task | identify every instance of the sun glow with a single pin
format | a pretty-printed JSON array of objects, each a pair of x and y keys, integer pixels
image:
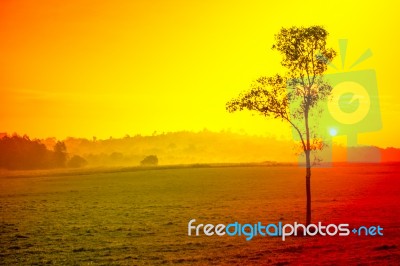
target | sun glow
[
  {"x": 333, "y": 132},
  {"x": 79, "y": 69}
]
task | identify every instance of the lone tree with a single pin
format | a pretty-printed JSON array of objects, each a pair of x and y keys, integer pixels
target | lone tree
[
  {"x": 150, "y": 160},
  {"x": 295, "y": 96},
  {"x": 60, "y": 154}
]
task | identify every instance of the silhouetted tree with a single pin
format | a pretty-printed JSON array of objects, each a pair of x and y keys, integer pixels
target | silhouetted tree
[
  {"x": 116, "y": 156},
  {"x": 22, "y": 153},
  {"x": 76, "y": 162},
  {"x": 60, "y": 154},
  {"x": 150, "y": 160},
  {"x": 305, "y": 57}
]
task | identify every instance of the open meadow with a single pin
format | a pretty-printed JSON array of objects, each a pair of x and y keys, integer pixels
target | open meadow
[{"x": 141, "y": 217}]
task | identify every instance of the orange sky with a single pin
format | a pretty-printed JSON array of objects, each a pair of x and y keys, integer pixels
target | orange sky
[{"x": 110, "y": 68}]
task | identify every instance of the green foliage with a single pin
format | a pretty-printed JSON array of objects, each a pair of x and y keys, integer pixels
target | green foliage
[
  {"x": 267, "y": 96},
  {"x": 304, "y": 52}
]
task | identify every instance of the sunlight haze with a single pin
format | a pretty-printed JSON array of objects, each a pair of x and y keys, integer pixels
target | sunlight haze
[{"x": 101, "y": 68}]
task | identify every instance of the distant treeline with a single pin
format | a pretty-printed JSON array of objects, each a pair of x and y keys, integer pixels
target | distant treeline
[
  {"x": 171, "y": 148},
  {"x": 182, "y": 147},
  {"x": 203, "y": 147},
  {"x": 22, "y": 153}
]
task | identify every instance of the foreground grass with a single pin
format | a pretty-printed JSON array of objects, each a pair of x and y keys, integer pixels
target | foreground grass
[{"x": 140, "y": 217}]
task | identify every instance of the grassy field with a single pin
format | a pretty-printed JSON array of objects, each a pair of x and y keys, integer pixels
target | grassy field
[{"x": 140, "y": 217}]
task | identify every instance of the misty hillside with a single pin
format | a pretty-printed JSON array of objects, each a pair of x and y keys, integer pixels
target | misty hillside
[
  {"x": 195, "y": 147},
  {"x": 179, "y": 148}
]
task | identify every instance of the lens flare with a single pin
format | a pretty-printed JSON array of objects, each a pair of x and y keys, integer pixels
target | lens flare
[{"x": 333, "y": 132}]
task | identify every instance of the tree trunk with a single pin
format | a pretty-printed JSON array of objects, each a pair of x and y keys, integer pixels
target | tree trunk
[{"x": 308, "y": 187}]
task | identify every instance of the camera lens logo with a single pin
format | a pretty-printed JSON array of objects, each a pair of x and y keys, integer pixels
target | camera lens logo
[
  {"x": 350, "y": 103},
  {"x": 351, "y": 109}
]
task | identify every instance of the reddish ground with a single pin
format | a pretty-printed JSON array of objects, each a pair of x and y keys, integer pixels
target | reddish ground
[{"x": 141, "y": 217}]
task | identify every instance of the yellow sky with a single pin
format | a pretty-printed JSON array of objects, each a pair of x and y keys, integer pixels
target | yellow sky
[{"x": 110, "y": 68}]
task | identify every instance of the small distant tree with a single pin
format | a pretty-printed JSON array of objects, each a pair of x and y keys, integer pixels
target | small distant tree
[
  {"x": 305, "y": 56},
  {"x": 150, "y": 160},
  {"x": 116, "y": 157},
  {"x": 60, "y": 154},
  {"x": 76, "y": 162}
]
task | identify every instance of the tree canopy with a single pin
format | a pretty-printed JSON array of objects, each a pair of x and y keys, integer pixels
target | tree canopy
[{"x": 292, "y": 96}]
